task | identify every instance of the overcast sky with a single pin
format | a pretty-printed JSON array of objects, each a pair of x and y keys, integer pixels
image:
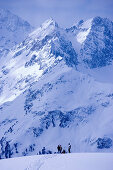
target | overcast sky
[{"x": 65, "y": 12}]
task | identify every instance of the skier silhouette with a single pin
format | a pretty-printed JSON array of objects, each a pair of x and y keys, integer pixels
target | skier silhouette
[
  {"x": 59, "y": 147},
  {"x": 69, "y": 148},
  {"x": 43, "y": 150}
]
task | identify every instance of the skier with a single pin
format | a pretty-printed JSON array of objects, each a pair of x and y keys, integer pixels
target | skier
[
  {"x": 58, "y": 147},
  {"x": 69, "y": 148},
  {"x": 43, "y": 150},
  {"x": 7, "y": 150},
  {"x": 63, "y": 151}
]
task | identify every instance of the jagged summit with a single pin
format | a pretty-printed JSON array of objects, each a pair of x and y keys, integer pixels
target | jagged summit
[
  {"x": 94, "y": 39},
  {"x": 80, "y": 23},
  {"x": 98, "y": 20},
  {"x": 86, "y": 24},
  {"x": 12, "y": 21},
  {"x": 48, "y": 27},
  {"x": 44, "y": 48},
  {"x": 5, "y": 13},
  {"x": 89, "y": 22},
  {"x": 97, "y": 46},
  {"x": 13, "y": 30},
  {"x": 48, "y": 22}
]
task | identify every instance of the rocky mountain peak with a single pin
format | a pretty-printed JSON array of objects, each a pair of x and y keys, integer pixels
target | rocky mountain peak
[
  {"x": 49, "y": 22},
  {"x": 13, "y": 30},
  {"x": 97, "y": 47}
]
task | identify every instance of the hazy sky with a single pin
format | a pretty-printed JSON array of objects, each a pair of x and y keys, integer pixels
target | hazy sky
[{"x": 65, "y": 12}]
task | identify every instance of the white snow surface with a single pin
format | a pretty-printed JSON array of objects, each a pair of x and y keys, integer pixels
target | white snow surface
[
  {"x": 84, "y": 31},
  {"x": 83, "y": 161}
]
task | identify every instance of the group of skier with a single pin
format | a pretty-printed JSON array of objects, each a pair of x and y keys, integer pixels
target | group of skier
[{"x": 60, "y": 150}]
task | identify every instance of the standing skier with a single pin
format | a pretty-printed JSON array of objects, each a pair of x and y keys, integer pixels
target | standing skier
[
  {"x": 69, "y": 148},
  {"x": 58, "y": 147},
  {"x": 43, "y": 150}
]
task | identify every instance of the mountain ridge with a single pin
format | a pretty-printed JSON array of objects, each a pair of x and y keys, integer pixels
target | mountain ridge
[
  {"x": 13, "y": 30},
  {"x": 46, "y": 100},
  {"x": 96, "y": 39}
]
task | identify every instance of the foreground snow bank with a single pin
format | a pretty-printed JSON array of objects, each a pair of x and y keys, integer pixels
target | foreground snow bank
[{"x": 79, "y": 161}]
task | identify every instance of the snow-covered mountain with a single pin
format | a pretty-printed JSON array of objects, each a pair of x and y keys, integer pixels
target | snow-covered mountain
[
  {"x": 43, "y": 48},
  {"x": 96, "y": 38},
  {"x": 13, "y": 30},
  {"x": 46, "y": 101}
]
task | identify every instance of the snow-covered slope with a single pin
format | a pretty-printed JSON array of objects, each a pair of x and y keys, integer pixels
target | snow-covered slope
[
  {"x": 13, "y": 30},
  {"x": 46, "y": 101},
  {"x": 62, "y": 162},
  {"x": 63, "y": 106},
  {"x": 42, "y": 49}
]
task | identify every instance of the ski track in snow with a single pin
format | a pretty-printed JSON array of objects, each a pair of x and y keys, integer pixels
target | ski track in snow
[{"x": 60, "y": 162}]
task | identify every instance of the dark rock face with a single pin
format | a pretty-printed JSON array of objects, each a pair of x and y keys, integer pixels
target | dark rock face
[
  {"x": 98, "y": 44},
  {"x": 60, "y": 46},
  {"x": 104, "y": 143}
]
